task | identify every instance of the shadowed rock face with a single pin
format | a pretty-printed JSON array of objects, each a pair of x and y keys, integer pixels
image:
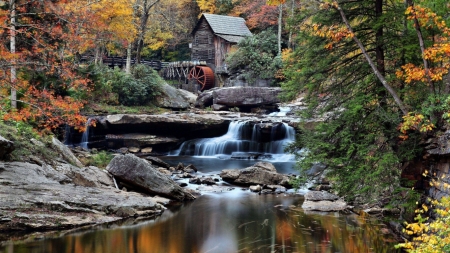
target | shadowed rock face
[
  {"x": 140, "y": 173},
  {"x": 6, "y": 147}
]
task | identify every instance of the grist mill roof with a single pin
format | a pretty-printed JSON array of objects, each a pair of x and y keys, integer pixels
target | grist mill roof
[{"x": 232, "y": 29}]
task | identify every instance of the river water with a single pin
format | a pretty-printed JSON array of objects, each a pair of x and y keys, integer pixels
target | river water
[
  {"x": 234, "y": 220},
  {"x": 231, "y": 221}
]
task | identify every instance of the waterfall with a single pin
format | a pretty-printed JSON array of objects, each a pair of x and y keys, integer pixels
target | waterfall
[
  {"x": 67, "y": 135},
  {"x": 282, "y": 113},
  {"x": 85, "y": 138},
  {"x": 241, "y": 137}
]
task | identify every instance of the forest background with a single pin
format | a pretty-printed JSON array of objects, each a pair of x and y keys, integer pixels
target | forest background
[{"x": 376, "y": 71}]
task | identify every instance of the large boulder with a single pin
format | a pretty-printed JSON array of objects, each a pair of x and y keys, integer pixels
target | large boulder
[
  {"x": 6, "y": 147},
  {"x": 262, "y": 173},
  {"x": 246, "y": 96},
  {"x": 173, "y": 98},
  {"x": 140, "y": 173}
]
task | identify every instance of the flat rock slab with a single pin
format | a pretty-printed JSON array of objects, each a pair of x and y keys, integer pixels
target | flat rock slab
[
  {"x": 320, "y": 195},
  {"x": 324, "y": 205},
  {"x": 41, "y": 197}
]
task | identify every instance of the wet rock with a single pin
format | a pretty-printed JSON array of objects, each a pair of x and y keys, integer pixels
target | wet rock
[
  {"x": 158, "y": 162},
  {"x": 324, "y": 205},
  {"x": 134, "y": 149},
  {"x": 249, "y": 156},
  {"x": 191, "y": 167},
  {"x": 276, "y": 188},
  {"x": 139, "y": 172},
  {"x": 255, "y": 188},
  {"x": 217, "y": 107},
  {"x": 195, "y": 180},
  {"x": 320, "y": 195},
  {"x": 263, "y": 173},
  {"x": 146, "y": 150},
  {"x": 323, "y": 201}
]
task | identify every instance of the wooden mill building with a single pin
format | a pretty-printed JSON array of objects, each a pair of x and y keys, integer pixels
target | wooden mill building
[{"x": 213, "y": 37}]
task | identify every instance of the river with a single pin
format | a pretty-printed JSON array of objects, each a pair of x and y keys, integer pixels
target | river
[{"x": 235, "y": 220}]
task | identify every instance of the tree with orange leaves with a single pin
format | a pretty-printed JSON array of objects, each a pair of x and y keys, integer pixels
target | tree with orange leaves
[{"x": 42, "y": 62}]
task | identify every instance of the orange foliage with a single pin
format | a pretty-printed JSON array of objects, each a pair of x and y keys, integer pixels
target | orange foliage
[
  {"x": 438, "y": 53},
  {"x": 48, "y": 38},
  {"x": 333, "y": 33},
  {"x": 257, "y": 14}
]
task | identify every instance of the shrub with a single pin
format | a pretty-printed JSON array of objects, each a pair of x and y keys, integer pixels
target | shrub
[
  {"x": 113, "y": 86},
  {"x": 430, "y": 235},
  {"x": 256, "y": 57},
  {"x": 101, "y": 159}
]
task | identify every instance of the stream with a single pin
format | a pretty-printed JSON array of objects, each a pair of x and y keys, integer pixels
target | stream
[{"x": 234, "y": 220}]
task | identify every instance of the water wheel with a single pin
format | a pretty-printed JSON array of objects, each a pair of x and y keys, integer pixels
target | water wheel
[{"x": 204, "y": 76}]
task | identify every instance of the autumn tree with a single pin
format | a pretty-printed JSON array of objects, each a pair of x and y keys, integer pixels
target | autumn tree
[{"x": 43, "y": 61}]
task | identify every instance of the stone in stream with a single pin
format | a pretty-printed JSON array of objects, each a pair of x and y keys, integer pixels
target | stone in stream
[
  {"x": 140, "y": 173},
  {"x": 263, "y": 173},
  {"x": 323, "y": 201}
]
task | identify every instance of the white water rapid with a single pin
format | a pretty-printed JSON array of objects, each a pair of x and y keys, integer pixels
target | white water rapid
[{"x": 242, "y": 138}]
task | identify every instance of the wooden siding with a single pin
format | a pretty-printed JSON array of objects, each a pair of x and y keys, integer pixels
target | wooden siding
[
  {"x": 203, "y": 43},
  {"x": 222, "y": 48}
]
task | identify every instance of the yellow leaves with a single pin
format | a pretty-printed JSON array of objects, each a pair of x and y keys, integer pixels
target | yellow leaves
[
  {"x": 414, "y": 122},
  {"x": 275, "y": 2},
  {"x": 208, "y": 6},
  {"x": 433, "y": 236},
  {"x": 334, "y": 33}
]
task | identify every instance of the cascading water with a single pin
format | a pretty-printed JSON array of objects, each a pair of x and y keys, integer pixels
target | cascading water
[
  {"x": 282, "y": 113},
  {"x": 85, "y": 137},
  {"x": 242, "y": 137}
]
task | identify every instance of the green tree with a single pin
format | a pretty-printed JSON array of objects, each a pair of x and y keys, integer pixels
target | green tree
[{"x": 358, "y": 138}]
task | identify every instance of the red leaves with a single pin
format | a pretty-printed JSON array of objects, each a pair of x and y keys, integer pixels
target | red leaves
[{"x": 46, "y": 40}]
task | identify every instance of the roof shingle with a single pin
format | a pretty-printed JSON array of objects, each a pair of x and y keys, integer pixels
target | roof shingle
[{"x": 227, "y": 25}]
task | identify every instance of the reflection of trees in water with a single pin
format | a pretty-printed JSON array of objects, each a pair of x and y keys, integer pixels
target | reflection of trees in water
[{"x": 227, "y": 223}]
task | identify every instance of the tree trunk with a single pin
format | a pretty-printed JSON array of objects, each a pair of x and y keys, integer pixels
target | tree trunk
[
  {"x": 375, "y": 70},
  {"x": 13, "y": 52},
  {"x": 422, "y": 49},
  {"x": 143, "y": 26},
  {"x": 280, "y": 20},
  {"x": 128, "y": 64},
  {"x": 290, "y": 43}
]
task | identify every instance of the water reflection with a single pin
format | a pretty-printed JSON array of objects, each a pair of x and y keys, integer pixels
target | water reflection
[{"x": 227, "y": 222}]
